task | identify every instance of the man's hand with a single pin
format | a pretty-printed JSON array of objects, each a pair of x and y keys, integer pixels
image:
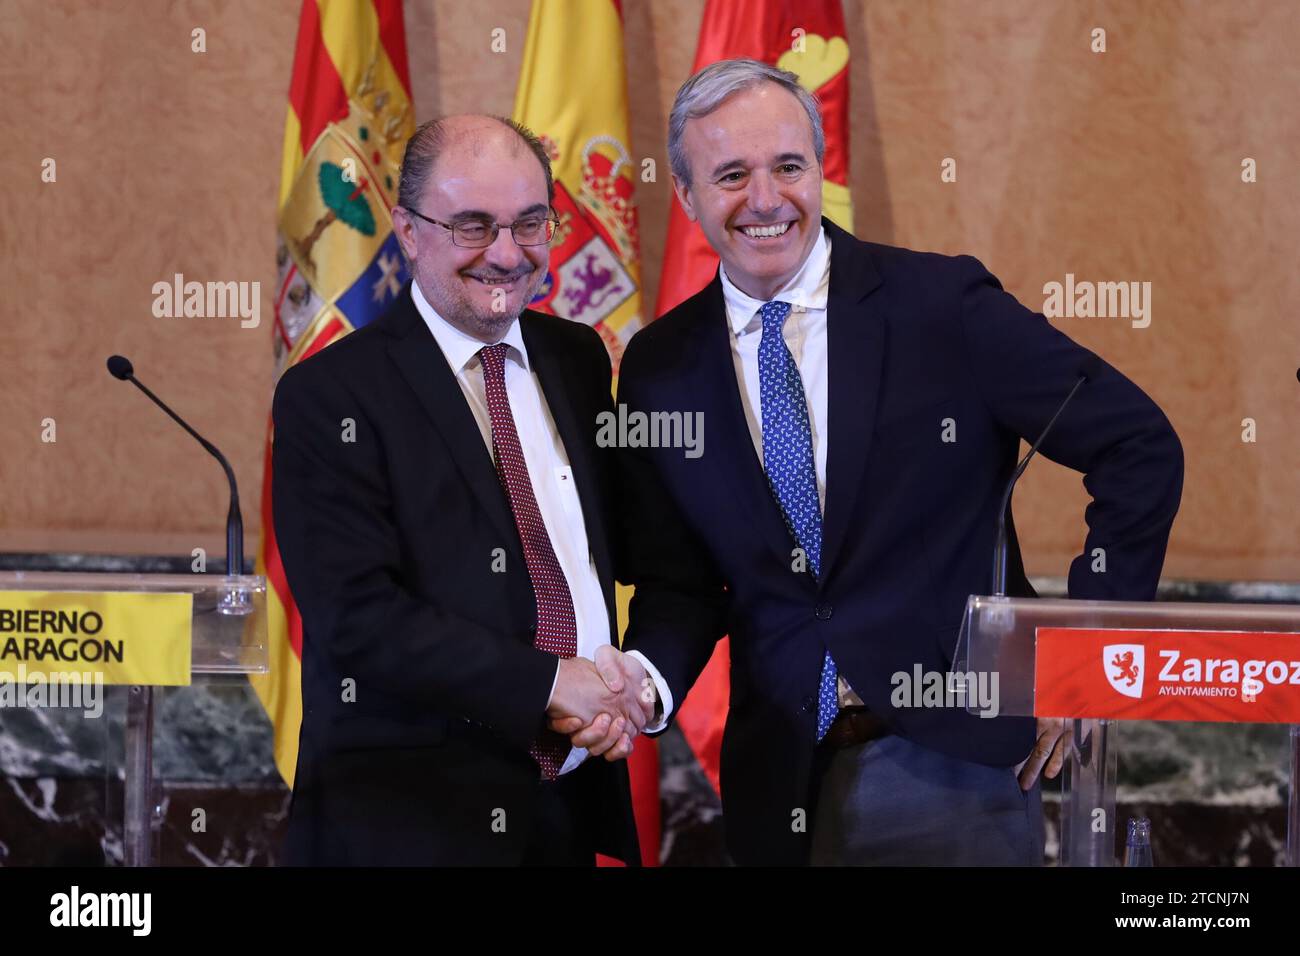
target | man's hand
[
  {"x": 1055, "y": 738},
  {"x": 633, "y": 698},
  {"x": 581, "y": 694}
]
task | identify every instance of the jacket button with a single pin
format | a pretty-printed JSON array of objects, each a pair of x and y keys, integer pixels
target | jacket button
[
  {"x": 809, "y": 704},
  {"x": 822, "y": 612}
]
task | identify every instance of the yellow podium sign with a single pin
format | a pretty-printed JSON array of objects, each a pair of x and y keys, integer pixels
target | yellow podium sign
[{"x": 113, "y": 638}]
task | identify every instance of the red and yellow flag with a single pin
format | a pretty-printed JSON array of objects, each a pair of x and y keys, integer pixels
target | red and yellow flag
[
  {"x": 339, "y": 263},
  {"x": 805, "y": 37},
  {"x": 573, "y": 93}
]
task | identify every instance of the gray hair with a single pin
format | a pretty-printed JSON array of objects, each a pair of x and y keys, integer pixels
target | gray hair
[
  {"x": 706, "y": 90},
  {"x": 426, "y": 144}
]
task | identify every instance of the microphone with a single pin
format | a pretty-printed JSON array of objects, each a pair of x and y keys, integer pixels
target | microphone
[
  {"x": 120, "y": 368},
  {"x": 1088, "y": 370}
]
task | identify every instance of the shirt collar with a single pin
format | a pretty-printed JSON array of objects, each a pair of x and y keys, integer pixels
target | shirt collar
[
  {"x": 807, "y": 287},
  {"x": 459, "y": 348}
]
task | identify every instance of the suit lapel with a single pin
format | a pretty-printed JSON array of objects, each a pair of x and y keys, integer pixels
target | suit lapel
[
  {"x": 554, "y": 370},
  {"x": 730, "y": 446},
  {"x": 417, "y": 356},
  {"x": 855, "y": 349}
]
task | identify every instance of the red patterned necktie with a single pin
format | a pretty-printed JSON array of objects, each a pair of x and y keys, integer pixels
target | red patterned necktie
[{"x": 557, "y": 628}]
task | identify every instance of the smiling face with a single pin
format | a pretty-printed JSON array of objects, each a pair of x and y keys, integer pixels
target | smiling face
[
  {"x": 484, "y": 173},
  {"x": 756, "y": 186}
]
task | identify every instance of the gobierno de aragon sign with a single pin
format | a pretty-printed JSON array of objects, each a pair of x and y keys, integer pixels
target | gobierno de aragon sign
[{"x": 115, "y": 637}]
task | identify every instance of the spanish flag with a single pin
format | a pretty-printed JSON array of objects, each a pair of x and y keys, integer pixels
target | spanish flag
[
  {"x": 805, "y": 37},
  {"x": 573, "y": 94},
  {"x": 339, "y": 263}
]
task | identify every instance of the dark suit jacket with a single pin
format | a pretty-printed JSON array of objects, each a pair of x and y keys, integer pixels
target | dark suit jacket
[
  {"x": 909, "y": 523},
  {"x": 387, "y": 535}
]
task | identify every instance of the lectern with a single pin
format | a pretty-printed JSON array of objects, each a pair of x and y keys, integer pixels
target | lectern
[
  {"x": 1099, "y": 662},
  {"x": 141, "y": 630}
]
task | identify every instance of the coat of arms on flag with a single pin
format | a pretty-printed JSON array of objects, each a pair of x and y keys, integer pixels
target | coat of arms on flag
[
  {"x": 339, "y": 262},
  {"x": 588, "y": 280}
]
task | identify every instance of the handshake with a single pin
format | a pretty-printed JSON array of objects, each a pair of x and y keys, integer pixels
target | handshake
[{"x": 602, "y": 705}]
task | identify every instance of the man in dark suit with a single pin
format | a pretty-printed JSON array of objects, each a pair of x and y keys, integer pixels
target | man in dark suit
[
  {"x": 863, "y": 406},
  {"x": 443, "y": 512}
]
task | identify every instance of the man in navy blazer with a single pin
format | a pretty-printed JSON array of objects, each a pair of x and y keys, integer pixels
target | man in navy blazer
[{"x": 863, "y": 407}]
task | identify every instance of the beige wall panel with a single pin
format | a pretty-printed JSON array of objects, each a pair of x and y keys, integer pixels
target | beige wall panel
[{"x": 1123, "y": 165}]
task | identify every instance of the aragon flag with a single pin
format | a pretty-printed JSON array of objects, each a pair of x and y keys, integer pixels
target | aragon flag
[
  {"x": 339, "y": 263},
  {"x": 805, "y": 37},
  {"x": 573, "y": 93}
]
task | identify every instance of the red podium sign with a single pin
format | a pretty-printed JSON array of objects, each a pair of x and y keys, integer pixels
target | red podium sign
[{"x": 1167, "y": 675}]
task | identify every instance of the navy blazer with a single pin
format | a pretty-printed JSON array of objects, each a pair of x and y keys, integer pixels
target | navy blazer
[{"x": 914, "y": 340}]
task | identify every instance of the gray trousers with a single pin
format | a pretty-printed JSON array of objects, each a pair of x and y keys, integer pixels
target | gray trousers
[{"x": 889, "y": 802}]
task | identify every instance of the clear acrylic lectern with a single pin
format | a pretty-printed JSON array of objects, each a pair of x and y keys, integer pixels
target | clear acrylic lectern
[
  {"x": 999, "y": 635},
  {"x": 227, "y": 636}
]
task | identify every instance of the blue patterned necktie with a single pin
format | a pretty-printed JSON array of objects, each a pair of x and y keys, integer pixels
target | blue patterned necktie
[{"x": 788, "y": 461}]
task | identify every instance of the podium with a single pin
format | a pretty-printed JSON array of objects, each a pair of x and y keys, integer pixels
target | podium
[
  {"x": 213, "y": 624},
  {"x": 1037, "y": 647}
]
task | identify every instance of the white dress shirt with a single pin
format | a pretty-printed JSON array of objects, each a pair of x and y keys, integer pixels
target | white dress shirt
[
  {"x": 548, "y": 470},
  {"x": 805, "y": 335}
]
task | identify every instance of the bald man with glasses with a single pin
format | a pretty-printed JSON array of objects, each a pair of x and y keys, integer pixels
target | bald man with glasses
[{"x": 452, "y": 556}]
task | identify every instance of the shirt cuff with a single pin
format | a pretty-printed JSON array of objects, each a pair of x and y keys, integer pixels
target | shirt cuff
[
  {"x": 554, "y": 683},
  {"x": 661, "y": 688}
]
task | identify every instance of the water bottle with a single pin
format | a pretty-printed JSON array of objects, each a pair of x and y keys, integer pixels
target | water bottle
[{"x": 1137, "y": 848}]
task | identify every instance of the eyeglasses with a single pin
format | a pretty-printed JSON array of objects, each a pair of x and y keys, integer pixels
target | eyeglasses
[{"x": 479, "y": 234}]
